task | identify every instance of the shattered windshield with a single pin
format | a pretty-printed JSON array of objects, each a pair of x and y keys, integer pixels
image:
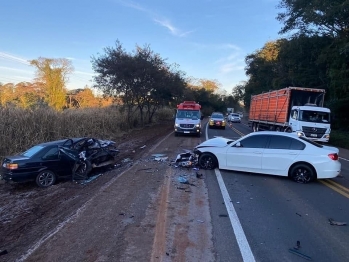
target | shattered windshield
[
  {"x": 191, "y": 114},
  {"x": 314, "y": 116}
]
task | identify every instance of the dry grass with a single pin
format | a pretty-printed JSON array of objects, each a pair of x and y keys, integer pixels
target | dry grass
[{"x": 21, "y": 129}]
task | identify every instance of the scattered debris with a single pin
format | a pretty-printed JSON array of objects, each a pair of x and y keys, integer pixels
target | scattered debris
[
  {"x": 183, "y": 180},
  {"x": 298, "y": 245},
  {"x": 126, "y": 160},
  {"x": 296, "y": 252},
  {"x": 181, "y": 188},
  {"x": 161, "y": 159},
  {"x": 158, "y": 155},
  {"x": 121, "y": 214},
  {"x": 200, "y": 221},
  {"x": 142, "y": 147},
  {"x": 198, "y": 175},
  {"x": 298, "y": 214},
  {"x": 336, "y": 223},
  {"x": 223, "y": 215},
  {"x": 187, "y": 159}
]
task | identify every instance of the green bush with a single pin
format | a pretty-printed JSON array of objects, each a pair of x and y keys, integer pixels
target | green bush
[{"x": 339, "y": 138}]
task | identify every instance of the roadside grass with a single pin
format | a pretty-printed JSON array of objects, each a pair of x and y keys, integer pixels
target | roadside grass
[
  {"x": 20, "y": 129},
  {"x": 339, "y": 138}
]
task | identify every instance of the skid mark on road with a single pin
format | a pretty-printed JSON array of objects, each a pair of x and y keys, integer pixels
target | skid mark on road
[{"x": 159, "y": 243}]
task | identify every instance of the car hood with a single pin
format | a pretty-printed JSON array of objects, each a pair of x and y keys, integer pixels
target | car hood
[
  {"x": 215, "y": 142},
  {"x": 15, "y": 158}
]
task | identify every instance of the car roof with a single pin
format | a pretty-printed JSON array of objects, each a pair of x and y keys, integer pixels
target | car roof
[{"x": 59, "y": 142}]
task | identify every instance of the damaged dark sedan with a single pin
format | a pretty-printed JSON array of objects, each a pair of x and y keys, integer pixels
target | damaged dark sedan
[{"x": 47, "y": 162}]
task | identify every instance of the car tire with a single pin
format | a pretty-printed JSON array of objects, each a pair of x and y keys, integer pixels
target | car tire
[
  {"x": 45, "y": 178},
  {"x": 288, "y": 130},
  {"x": 208, "y": 161},
  {"x": 302, "y": 173}
]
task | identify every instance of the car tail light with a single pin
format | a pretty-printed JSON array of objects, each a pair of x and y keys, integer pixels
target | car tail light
[
  {"x": 10, "y": 165},
  {"x": 333, "y": 156}
]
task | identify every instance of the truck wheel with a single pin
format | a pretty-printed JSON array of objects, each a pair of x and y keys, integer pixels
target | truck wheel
[
  {"x": 254, "y": 127},
  {"x": 277, "y": 129},
  {"x": 288, "y": 130}
]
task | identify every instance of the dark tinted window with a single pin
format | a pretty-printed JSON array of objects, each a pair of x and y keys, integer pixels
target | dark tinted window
[
  {"x": 282, "y": 142},
  {"x": 311, "y": 142},
  {"x": 51, "y": 154},
  {"x": 297, "y": 145},
  {"x": 256, "y": 141}
]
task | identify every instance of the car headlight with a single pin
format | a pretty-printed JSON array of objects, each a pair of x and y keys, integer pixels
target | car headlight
[
  {"x": 10, "y": 165},
  {"x": 176, "y": 125},
  {"x": 300, "y": 134},
  {"x": 223, "y": 121},
  {"x": 197, "y": 125}
]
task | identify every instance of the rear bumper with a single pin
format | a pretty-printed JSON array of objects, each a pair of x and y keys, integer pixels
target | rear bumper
[
  {"x": 329, "y": 170},
  {"x": 17, "y": 177}
]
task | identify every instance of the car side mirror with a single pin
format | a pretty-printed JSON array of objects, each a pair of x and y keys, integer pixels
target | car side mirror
[{"x": 238, "y": 144}]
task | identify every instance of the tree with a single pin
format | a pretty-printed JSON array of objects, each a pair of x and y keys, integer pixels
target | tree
[
  {"x": 54, "y": 74},
  {"x": 142, "y": 78},
  {"x": 320, "y": 17}
]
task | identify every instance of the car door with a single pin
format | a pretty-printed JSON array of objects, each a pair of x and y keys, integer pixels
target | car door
[
  {"x": 246, "y": 155},
  {"x": 53, "y": 161},
  {"x": 280, "y": 153}
]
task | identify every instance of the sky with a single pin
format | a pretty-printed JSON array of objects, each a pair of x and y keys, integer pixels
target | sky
[{"x": 207, "y": 39}]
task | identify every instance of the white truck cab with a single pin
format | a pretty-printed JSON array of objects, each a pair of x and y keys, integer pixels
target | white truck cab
[{"x": 311, "y": 122}]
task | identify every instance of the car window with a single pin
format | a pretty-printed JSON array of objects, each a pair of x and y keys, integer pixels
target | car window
[
  {"x": 256, "y": 141},
  {"x": 32, "y": 151},
  {"x": 311, "y": 142},
  {"x": 51, "y": 154},
  {"x": 282, "y": 142},
  {"x": 217, "y": 116}
]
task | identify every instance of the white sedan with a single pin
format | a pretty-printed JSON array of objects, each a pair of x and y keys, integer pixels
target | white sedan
[{"x": 273, "y": 153}]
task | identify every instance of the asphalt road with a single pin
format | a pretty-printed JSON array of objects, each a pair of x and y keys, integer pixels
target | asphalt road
[{"x": 261, "y": 217}]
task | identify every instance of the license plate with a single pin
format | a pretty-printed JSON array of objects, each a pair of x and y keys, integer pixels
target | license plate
[
  {"x": 313, "y": 135},
  {"x": 186, "y": 132}
]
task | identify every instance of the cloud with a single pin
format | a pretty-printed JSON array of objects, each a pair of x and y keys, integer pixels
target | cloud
[
  {"x": 15, "y": 69},
  {"x": 175, "y": 31},
  {"x": 162, "y": 22},
  {"x": 14, "y": 58}
]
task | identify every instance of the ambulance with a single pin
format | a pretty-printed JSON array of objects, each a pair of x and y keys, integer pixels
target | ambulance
[{"x": 188, "y": 118}]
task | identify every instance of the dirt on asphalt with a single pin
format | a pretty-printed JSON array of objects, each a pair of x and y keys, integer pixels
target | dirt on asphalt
[{"x": 138, "y": 211}]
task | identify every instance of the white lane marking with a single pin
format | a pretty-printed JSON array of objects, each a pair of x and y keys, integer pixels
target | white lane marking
[
  {"x": 343, "y": 158},
  {"x": 241, "y": 239}
]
